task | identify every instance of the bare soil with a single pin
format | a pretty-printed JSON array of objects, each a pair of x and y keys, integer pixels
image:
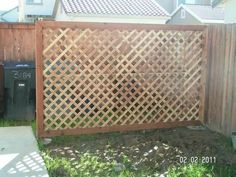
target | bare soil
[{"x": 154, "y": 149}]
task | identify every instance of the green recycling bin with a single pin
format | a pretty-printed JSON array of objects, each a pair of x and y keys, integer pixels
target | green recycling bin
[
  {"x": 1, "y": 91},
  {"x": 19, "y": 90}
]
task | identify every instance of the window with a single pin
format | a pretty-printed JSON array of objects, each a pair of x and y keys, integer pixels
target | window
[
  {"x": 183, "y": 14},
  {"x": 34, "y": 1}
]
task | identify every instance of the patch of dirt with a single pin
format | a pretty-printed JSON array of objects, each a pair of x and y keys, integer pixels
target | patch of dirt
[{"x": 156, "y": 149}]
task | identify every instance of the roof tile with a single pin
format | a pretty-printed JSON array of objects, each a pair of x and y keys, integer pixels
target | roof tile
[{"x": 114, "y": 7}]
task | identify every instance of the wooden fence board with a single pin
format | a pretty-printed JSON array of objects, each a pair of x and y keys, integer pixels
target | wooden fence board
[
  {"x": 233, "y": 56},
  {"x": 220, "y": 105},
  {"x": 39, "y": 78},
  {"x": 116, "y": 77},
  {"x": 17, "y": 41}
]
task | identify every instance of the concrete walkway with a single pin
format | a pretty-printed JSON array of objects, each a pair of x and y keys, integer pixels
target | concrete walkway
[{"x": 19, "y": 154}]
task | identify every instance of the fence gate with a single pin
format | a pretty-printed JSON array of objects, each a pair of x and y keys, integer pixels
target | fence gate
[{"x": 117, "y": 77}]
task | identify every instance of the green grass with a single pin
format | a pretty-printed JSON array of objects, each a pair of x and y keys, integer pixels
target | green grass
[
  {"x": 13, "y": 123},
  {"x": 190, "y": 170},
  {"x": 224, "y": 171},
  {"x": 88, "y": 166},
  {"x": 92, "y": 166},
  {"x": 202, "y": 170},
  {"x": 58, "y": 166}
]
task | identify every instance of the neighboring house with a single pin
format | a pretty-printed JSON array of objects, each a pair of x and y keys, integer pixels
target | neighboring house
[
  {"x": 171, "y": 5},
  {"x": 1, "y": 12},
  {"x": 34, "y": 9},
  {"x": 31, "y": 10},
  {"x": 10, "y": 15},
  {"x": 112, "y": 11},
  {"x": 197, "y": 14},
  {"x": 230, "y": 9},
  {"x": 199, "y": 2}
]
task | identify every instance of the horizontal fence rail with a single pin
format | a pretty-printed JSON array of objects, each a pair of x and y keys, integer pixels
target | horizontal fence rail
[{"x": 113, "y": 77}]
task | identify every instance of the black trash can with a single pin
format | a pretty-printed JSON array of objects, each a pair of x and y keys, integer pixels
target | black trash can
[
  {"x": 1, "y": 91},
  {"x": 19, "y": 88}
]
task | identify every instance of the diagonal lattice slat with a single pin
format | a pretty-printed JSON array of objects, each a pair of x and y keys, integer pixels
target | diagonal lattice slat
[{"x": 108, "y": 77}]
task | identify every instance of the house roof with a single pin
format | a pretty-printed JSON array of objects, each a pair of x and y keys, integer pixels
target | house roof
[
  {"x": 1, "y": 12},
  {"x": 114, "y": 7},
  {"x": 5, "y": 13},
  {"x": 204, "y": 13}
]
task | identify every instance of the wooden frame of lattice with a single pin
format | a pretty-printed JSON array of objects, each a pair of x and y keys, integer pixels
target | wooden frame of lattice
[{"x": 118, "y": 77}]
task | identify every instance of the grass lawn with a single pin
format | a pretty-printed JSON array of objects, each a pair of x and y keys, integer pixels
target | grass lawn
[
  {"x": 177, "y": 152},
  {"x": 9, "y": 123}
]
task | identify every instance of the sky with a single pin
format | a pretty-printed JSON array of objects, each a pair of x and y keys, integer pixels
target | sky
[{"x": 7, "y": 4}]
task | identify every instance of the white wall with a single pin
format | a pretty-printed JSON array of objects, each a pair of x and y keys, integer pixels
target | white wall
[{"x": 230, "y": 11}]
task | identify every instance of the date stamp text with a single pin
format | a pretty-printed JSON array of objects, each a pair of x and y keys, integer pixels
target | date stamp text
[{"x": 203, "y": 159}]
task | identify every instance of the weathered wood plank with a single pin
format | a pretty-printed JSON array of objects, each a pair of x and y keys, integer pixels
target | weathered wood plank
[
  {"x": 110, "y": 26},
  {"x": 39, "y": 79},
  {"x": 16, "y": 42},
  {"x": 120, "y": 128},
  {"x": 221, "y": 100}
]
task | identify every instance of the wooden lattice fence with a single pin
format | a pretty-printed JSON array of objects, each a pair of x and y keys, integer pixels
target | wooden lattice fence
[{"x": 112, "y": 77}]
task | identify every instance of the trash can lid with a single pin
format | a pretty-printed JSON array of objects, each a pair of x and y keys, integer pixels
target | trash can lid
[{"x": 17, "y": 65}]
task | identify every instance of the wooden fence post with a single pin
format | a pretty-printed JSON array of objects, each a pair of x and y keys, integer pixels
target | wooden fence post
[{"x": 39, "y": 79}]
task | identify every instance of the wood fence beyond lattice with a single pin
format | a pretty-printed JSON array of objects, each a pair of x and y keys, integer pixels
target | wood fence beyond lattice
[
  {"x": 17, "y": 42},
  {"x": 221, "y": 93},
  {"x": 117, "y": 77}
]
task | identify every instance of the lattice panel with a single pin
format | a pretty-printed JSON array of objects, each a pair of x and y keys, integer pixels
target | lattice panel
[{"x": 108, "y": 77}]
